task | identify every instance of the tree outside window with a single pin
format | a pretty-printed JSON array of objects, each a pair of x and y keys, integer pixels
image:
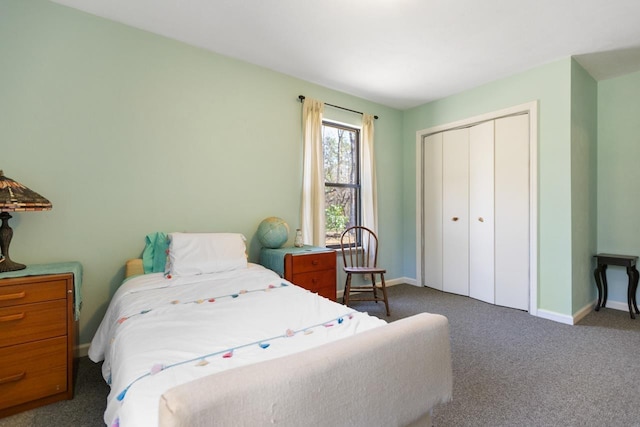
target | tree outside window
[{"x": 342, "y": 179}]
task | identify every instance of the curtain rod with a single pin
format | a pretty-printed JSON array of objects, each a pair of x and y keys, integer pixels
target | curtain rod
[{"x": 302, "y": 97}]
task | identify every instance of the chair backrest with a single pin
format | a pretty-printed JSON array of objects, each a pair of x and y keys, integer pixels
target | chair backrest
[{"x": 363, "y": 255}]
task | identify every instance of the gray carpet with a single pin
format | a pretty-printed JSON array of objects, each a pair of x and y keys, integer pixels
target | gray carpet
[
  {"x": 513, "y": 369},
  {"x": 510, "y": 368}
]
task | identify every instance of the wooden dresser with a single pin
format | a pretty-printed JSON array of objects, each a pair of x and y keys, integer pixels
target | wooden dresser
[
  {"x": 37, "y": 331},
  {"x": 309, "y": 267}
]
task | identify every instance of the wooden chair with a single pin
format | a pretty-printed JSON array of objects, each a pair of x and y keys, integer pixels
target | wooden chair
[{"x": 362, "y": 260}]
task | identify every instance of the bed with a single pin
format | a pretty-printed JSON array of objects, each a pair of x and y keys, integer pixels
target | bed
[{"x": 215, "y": 340}]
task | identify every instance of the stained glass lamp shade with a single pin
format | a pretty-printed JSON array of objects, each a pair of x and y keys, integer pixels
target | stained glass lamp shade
[{"x": 15, "y": 197}]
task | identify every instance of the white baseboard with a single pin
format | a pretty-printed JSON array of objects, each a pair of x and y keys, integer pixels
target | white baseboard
[
  {"x": 82, "y": 350},
  {"x": 390, "y": 282},
  {"x": 402, "y": 280},
  {"x": 580, "y": 314},
  {"x": 556, "y": 317},
  {"x": 617, "y": 305},
  {"x": 577, "y": 316}
]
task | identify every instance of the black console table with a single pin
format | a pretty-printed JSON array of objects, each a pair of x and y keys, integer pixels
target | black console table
[{"x": 600, "y": 273}]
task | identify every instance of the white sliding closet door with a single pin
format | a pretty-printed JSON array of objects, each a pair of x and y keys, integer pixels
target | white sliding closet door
[
  {"x": 455, "y": 211},
  {"x": 432, "y": 210},
  {"x": 481, "y": 212},
  {"x": 512, "y": 211}
]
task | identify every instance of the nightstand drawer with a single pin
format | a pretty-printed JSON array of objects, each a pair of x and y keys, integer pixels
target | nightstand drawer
[
  {"x": 32, "y": 292},
  {"x": 320, "y": 282},
  {"x": 315, "y": 262},
  {"x": 24, "y": 323},
  {"x": 32, "y": 371}
]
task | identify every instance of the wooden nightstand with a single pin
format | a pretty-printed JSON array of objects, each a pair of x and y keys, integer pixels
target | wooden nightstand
[
  {"x": 309, "y": 267},
  {"x": 37, "y": 330}
]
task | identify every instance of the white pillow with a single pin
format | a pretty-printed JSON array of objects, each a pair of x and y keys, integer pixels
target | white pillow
[{"x": 201, "y": 253}]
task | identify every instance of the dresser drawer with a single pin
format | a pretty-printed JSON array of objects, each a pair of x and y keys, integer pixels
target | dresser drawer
[
  {"x": 313, "y": 262},
  {"x": 29, "y": 322},
  {"x": 35, "y": 291},
  {"x": 32, "y": 371},
  {"x": 320, "y": 282}
]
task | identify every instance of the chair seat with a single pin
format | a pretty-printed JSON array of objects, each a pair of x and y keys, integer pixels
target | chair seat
[{"x": 364, "y": 270}]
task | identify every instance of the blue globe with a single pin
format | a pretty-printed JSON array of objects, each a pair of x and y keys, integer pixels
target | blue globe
[{"x": 273, "y": 232}]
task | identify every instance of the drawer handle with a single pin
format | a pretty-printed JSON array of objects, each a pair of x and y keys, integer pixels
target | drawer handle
[
  {"x": 8, "y": 297},
  {"x": 12, "y": 378},
  {"x": 315, "y": 262},
  {"x": 11, "y": 317}
]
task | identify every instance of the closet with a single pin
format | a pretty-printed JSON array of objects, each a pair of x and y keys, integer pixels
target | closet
[{"x": 475, "y": 211}]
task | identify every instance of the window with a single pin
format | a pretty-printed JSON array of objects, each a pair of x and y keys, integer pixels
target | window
[{"x": 341, "y": 147}]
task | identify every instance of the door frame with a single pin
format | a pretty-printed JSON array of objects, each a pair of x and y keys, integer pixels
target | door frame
[{"x": 530, "y": 108}]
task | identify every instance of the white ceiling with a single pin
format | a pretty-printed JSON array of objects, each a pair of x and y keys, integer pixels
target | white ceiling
[{"x": 400, "y": 53}]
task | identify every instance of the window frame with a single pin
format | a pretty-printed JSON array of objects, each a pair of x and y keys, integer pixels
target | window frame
[{"x": 358, "y": 175}]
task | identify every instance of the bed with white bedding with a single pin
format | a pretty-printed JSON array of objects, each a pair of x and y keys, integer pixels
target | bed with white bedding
[{"x": 164, "y": 331}]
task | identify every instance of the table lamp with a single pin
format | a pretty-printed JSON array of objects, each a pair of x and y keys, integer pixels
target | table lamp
[{"x": 15, "y": 197}]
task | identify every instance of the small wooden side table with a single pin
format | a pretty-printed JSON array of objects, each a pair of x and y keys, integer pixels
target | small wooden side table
[
  {"x": 310, "y": 267},
  {"x": 37, "y": 336},
  {"x": 600, "y": 273}
]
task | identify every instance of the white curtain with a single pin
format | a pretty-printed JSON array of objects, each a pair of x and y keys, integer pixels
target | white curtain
[
  {"x": 313, "y": 222},
  {"x": 368, "y": 179}
]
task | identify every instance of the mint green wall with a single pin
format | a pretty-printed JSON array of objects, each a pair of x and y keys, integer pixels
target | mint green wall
[
  {"x": 618, "y": 174},
  {"x": 584, "y": 119},
  {"x": 551, "y": 85},
  {"x": 128, "y": 133}
]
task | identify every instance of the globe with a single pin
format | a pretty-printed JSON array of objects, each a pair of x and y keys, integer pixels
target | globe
[{"x": 273, "y": 232}]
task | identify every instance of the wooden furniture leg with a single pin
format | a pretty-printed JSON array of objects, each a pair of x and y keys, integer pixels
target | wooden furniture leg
[{"x": 347, "y": 290}]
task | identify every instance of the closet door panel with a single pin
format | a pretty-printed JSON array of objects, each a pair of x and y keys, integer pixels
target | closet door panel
[
  {"x": 512, "y": 212},
  {"x": 481, "y": 212},
  {"x": 432, "y": 211},
  {"x": 455, "y": 211}
]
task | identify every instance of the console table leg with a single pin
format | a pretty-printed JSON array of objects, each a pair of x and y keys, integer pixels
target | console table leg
[
  {"x": 605, "y": 285},
  {"x": 596, "y": 274},
  {"x": 630, "y": 291},
  {"x": 636, "y": 276}
]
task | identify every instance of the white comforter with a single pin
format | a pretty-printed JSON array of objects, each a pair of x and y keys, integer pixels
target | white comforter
[{"x": 158, "y": 332}]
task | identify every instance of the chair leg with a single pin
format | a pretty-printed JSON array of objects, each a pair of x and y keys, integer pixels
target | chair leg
[
  {"x": 375, "y": 290},
  {"x": 347, "y": 289},
  {"x": 384, "y": 293}
]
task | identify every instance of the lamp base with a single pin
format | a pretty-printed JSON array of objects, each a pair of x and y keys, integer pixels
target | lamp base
[
  {"x": 8, "y": 265},
  {"x": 6, "y": 233}
]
